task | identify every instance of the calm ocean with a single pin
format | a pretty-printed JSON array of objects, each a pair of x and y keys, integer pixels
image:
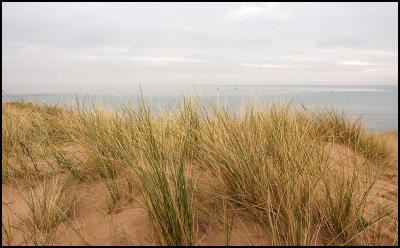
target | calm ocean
[{"x": 377, "y": 106}]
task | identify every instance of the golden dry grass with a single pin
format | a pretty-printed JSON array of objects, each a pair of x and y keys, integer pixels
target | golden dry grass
[{"x": 272, "y": 175}]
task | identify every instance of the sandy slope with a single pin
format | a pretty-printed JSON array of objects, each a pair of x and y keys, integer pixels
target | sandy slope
[{"x": 129, "y": 223}]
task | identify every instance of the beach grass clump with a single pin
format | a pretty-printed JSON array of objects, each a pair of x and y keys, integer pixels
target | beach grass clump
[
  {"x": 104, "y": 150},
  {"x": 170, "y": 203},
  {"x": 51, "y": 206},
  {"x": 24, "y": 141},
  {"x": 168, "y": 192},
  {"x": 268, "y": 164},
  {"x": 334, "y": 126},
  {"x": 278, "y": 164},
  {"x": 47, "y": 204}
]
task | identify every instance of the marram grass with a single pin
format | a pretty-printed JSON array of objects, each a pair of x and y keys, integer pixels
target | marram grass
[{"x": 271, "y": 163}]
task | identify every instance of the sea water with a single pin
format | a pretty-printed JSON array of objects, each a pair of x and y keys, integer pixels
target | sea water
[{"x": 376, "y": 106}]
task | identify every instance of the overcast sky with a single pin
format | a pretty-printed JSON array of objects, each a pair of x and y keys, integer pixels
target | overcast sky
[{"x": 50, "y": 47}]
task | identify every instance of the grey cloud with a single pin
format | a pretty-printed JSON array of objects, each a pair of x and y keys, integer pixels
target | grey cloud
[
  {"x": 344, "y": 42},
  {"x": 58, "y": 44}
]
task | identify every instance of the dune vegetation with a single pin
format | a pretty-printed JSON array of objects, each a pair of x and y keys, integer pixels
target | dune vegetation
[{"x": 272, "y": 175}]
